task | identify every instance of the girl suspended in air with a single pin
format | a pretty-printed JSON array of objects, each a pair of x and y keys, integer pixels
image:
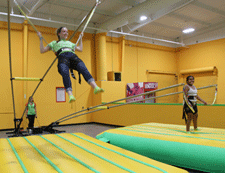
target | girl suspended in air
[{"x": 68, "y": 60}]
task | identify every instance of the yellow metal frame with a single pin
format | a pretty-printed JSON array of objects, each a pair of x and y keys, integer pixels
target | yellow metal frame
[{"x": 26, "y": 79}]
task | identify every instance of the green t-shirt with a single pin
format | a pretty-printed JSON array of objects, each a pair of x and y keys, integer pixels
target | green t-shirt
[
  {"x": 31, "y": 109},
  {"x": 62, "y": 44}
]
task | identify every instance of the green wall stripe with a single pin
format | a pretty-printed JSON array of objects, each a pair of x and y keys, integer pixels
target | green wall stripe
[
  {"x": 147, "y": 164},
  {"x": 18, "y": 157},
  {"x": 84, "y": 164},
  {"x": 47, "y": 159},
  {"x": 126, "y": 169}
]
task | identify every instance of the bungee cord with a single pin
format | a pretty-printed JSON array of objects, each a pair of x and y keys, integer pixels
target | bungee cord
[
  {"x": 86, "y": 19},
  {"x": 93, "y": 107},
  {"x": 10, "y": 62},
  {"x": 28, "y": 20},
  {"x": 102, "y": 106}
]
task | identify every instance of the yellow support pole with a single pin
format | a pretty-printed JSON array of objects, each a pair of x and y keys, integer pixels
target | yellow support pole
[
  {"x": 122, "y": 55},
  {"x": 101, "y": 56},
  {"x": 26, "y": 79},
  {"x": 25, "y": 66}
]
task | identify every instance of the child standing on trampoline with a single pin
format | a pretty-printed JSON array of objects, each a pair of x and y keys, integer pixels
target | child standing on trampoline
[
  {"x": 67, "y": 60},
  {"x": 190, "y": 92}
]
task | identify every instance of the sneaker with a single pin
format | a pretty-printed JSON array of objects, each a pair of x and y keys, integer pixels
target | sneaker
[
  {"x": 196, "y": 129},
  {"x": 72, "y": 98},
  {"x": 188, "y": 132},
  {"x": 30, "y": 131},
  {"x": 98, "y": 90}
]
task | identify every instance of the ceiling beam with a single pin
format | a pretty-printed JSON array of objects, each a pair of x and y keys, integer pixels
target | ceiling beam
[
  {"x": 81, "y": 7},
  {"x": 153, "y": 9},
  {"x": 166, "y": 26},
  {"x": 59, "y": 18},
  {"x": 189, "y": 19},
  {"x": 155, "y": 35},
  {"x": 145, "y": 37},
  {"x": 126, "y": 2},
  {"x": 169, "y": 8},
  {"x": 92, "y": 28},
  {"x": 209, "y": 8},
  {"x": 36, "y": 6},
  {"x": 206, "y": 30}
]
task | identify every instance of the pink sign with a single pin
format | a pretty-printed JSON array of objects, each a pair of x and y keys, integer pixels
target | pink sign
[{"x": 134, "y": 89}]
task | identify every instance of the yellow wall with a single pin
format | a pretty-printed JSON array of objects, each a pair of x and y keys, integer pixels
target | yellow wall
[
  {"x": 138, "y": 57},
  {"x": 112, "y": 54},
  {"x": 152, "y": 58},
  {"x": 209, "y": 116},
  {"x": 205, "y": 55},
  {"x": 48, "y": 110},
  {"x": 6, "y": 104}
]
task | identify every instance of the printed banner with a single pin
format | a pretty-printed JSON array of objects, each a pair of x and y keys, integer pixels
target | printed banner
[{"x": 139, "y": 88}]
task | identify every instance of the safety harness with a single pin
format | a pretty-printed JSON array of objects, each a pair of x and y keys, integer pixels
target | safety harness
[
  {"x": 71, "y": 70},
  {"x": 190, "y": 106}
]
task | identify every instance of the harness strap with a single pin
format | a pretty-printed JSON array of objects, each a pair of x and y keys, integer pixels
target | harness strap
[
  {"x": 72, "y": 74},
  {"x": 62, "y": 49},
  {"x": 71, "y": 70},
  {"x": 184, "y": 116}
]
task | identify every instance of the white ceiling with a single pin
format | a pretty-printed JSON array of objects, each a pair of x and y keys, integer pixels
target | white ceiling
[{"x": 166, "y": 18}]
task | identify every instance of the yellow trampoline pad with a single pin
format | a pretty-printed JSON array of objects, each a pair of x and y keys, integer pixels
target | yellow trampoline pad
[{"x": 75, "y": 152}]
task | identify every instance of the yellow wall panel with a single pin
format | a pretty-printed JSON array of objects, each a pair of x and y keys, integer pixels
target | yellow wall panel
[
  {"x": 112, "y": 54},
  {"x": 168, "y": 114},
  {"x": 205, "y": 55},
  {"x": 130, "y": 64},
  {"x": 138, "y": 57},
  {"x": 6, "y": 104}
]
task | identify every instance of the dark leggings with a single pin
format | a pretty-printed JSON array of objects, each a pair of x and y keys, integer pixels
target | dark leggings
[
  {"x": 31, "y": 121},
  {"x": 69, "y": 60}
]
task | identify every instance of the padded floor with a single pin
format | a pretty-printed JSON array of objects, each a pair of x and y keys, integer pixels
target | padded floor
[
  {"x": 202, "y": 150},
  {"x": 72, "y": 152}
]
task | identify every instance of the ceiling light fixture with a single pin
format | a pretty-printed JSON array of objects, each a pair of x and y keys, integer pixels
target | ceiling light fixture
[
  {"x": 143, "y": 18},
  {"x": 189, "y": 30}
]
